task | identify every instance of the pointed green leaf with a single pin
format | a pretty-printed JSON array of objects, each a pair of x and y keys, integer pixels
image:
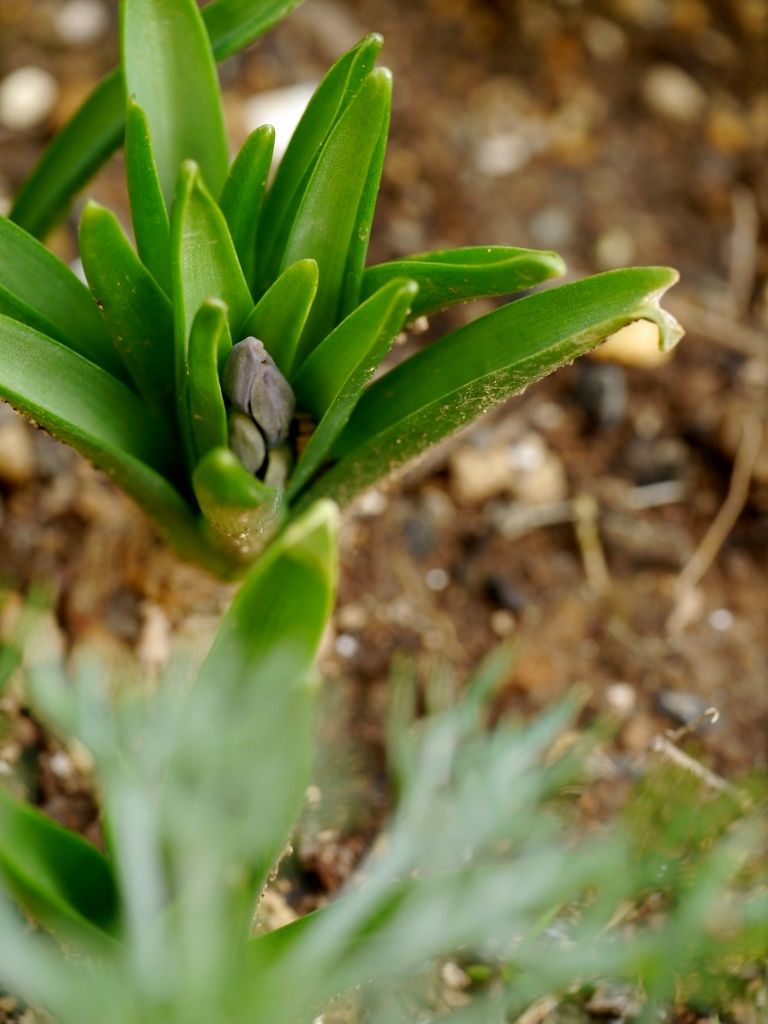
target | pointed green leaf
[
  {"x": 260, "y": 669},
  {"x": 77, "y": 401},
  {"x": 459, "y": 275},
  {"x": 332, "y": 379},
  {"x": 331, "y": 98},
  {"x": 137, "y": 313},
  {"x": 72, "y": 158},
  {"x": 238, "y": 506},
  {"x": 37, "y": 289},
  {"x": 148, "y": 210},
  {"x": 233, "y": 24},
  {"x": 334, "y": 207},
  {"x": 243, "y": 194},
  {"x": 441, "y": 388},
  {"x": 352, "y": 280},
  {"x": 54, "y": 873},
  {"x": 207, "y": 414},
  {"x": 171, "y": 73},
  {"x": 97, "y": 128},
  {"x": 280, "y": 315},
  {"x": 204, "y": 266}
]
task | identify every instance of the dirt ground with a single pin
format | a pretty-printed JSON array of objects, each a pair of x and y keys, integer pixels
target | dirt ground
[{"x": 614, "y": 519}]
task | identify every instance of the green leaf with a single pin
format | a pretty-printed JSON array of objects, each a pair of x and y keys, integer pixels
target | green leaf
[
  {"x": 204, "y": 266},
  {"x": 97, "y": 128},
  {"x": 233, "y": 24},
  {"x": 79, "y": 402},
  {"x": 260, "y": 668},
  {"x": 148, "y": 211},
  {"x": 335, "y": 205},
  {"x": 351, "y": 286},
  {"x": 55, "y": 874},
  {"x": 238, "y": 506},
  {"x": 207, "y": 414},
  {"x": 137, "y": 313},
  {"x": 463, "y": 375},
  {"x": 280, "y": 315},
  {"x": 39, "y": 290},
  {"x": 332, "y": 379},
  {"x": 171, "y": 73},
  {"x": 72, "y": 158},
  {"x": 459, "y": 275},
  {"x": 243, "y": 194},
  {"x": 331, "y": 98}
]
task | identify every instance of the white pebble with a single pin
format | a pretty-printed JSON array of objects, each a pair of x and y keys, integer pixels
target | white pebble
[
  {"x": 346, "y": 645},
  {"x": 614, "y": 248},
  {"x": 721, "y": 619},
  {"x": 672, "y": 93},
  {"x": 621, "y": 698},
  {"x": 503, "y": 153},
  {"x": 27, "y": 97},
  {"x": 61, "y": 765},
  {"x": 80, "y": 22},
  {"x": 604, "y": 39},
  {"x": 282, "y": 108},
  {"x": 437, "y": 579}
]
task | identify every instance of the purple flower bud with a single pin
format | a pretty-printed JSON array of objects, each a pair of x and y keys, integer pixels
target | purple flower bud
[
  {"x": 247, "y": 442},
  {"x": 256, "y": 388}
]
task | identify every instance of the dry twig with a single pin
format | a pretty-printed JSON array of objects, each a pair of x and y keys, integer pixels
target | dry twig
[{"x": 721, "y": 526}]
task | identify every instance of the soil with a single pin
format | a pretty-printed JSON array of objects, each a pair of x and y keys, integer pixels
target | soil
[{"x": 617, "y": 132}]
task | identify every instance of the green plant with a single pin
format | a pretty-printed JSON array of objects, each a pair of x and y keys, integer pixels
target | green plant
[
  {"x": 200, "y": 780},
  {"x": 132, "y": 374}
]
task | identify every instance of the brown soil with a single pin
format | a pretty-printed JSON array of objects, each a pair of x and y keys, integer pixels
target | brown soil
[{"x": 517, "y": 122}]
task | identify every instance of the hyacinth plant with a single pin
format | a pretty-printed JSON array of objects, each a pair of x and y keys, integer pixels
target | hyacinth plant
[{"x": 220, "y": 370}]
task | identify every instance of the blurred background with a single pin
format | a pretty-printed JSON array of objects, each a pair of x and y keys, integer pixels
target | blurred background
[{"x": 613, "y": 521}]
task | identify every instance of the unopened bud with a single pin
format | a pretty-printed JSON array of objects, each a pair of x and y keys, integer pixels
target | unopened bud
[
  {"x": 246, "y": 442},
  {"x": 256, "y": 388}
]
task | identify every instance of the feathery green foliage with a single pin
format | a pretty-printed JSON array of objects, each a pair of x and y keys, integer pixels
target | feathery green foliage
[{"x": 484, "y": 859}]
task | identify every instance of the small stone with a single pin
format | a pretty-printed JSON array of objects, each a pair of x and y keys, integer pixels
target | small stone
[
  {"x": 540, "y": 478},
  {"x": 17, "y": 451},
  {"x": 621, "y": 698},
  {"x": 673, "y": 94},
  {"x": 602, "y": 389},
  {"x": 502, "y": 154},
  {"x": 419, "y": 537},
  {"x": 721, "y": 620},
  {"x": 346, "y": 645},
  {"x": 478, "y": 474},
  {"x": 604, "y": 39},
  {"x": 552, "y": 228},
  {"x": 61, "y": 765},
  {"x": 635, "y": 345},
  {"x": 682, "y": 708},
  {"x": 437, "y": 579},
  {"x": 27, "y": 97},
  {"x": 352, "y": 618},
  {"x": 503, "y": 623},
  {"x": 614, "y": 248},
  {"x": 81, "y": 22},
  {"x": 282, "y": 108}
]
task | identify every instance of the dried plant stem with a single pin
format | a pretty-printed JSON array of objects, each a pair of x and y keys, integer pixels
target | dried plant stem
[{"x": 725, "y": 520}]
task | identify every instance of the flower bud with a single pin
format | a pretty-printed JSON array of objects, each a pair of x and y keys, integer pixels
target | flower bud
[
  {"x": 256, "y": 388},
  {"x": 246, "y": 441}
]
